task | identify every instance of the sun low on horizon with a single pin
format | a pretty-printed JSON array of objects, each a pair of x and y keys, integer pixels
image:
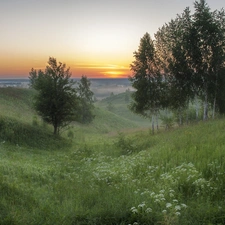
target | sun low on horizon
[{"x": 94, "y": 38}]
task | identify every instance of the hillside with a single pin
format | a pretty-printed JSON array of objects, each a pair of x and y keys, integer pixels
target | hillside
[
  {"x": 17, "y": 103},
  {"x": 20, "y": 123},
  {"x": 174, "y": 177},
  {"x": 119, "y": 105}
]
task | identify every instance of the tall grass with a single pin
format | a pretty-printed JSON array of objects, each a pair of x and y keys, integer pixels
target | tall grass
[{"x": 173, "y": 177}]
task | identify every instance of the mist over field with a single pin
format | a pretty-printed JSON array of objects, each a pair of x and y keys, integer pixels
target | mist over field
[{"x": 101, "y": 87}]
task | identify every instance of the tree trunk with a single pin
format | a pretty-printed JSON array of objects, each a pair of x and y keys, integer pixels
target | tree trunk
[
  {"x": 187, "y": 117},
  {"x": 205, "y": 114},
  {"x": 180, "y": 117},
  {"x": 197, "y": 110},
  {"x": 153, "y": 125},
  {"x": 166, "y": 127},
  {"x": 56, "y": 130},
  {"x": 157, "y": 121},
  {"x": 214, "y": 102},
  {"x": 214, "y": 108}
]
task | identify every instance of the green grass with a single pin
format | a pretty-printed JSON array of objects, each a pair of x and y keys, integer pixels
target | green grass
[
  {"x": 120, "y": 107},
  {"x": 97, "y": 177},
  {"x": 17, "y": 103}
]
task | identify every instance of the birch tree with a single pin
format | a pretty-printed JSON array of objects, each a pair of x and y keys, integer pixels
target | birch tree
[{"x": 147, "y": 81}]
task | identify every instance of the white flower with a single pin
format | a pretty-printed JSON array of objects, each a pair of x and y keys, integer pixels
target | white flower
[
  {"x": 183, "y": 206},
  {"x": 164, "y": 211},
  {"x": 171, "y": 195},
  {"x": 177, "y": 207},
  {"x": 177, "y": 213},
  {"x": 148, "y": 210},
  {"x": 134, "y": 210},
  {"x": 142, "y": 205},
  {"x": 168, "y": 205}
]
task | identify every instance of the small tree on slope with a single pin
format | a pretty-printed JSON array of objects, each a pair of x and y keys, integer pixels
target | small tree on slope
[{"x": 56, "y": 100}]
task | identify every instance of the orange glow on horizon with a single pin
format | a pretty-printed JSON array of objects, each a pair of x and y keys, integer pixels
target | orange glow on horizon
[{"x": 19, "y": 67}]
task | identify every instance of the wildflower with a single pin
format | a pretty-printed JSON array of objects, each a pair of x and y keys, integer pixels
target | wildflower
[
  {"x": 134, "y": 210},
  {"x": 183, "y": 206},
  {"x": 168, "y": 205},
  {"x": 148, "y": 210},
  {"x": 164, "y": 211},
  {"x": 177, "y": 213},
  {"x": 142, "y": 205},
  {"x": 177, "y": 207}
]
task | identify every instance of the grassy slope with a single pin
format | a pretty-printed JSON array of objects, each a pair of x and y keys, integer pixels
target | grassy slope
[
  {"x": 16, "y": 103},
  {"x": 174, "y": 177},
  {"x": 120, "y": 104}
]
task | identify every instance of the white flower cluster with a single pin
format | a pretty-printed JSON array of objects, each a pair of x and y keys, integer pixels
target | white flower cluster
[
  {"x": 187, "y": 175},
  {"x": 141, "y": 209},
  {"x": 164, "y": 199}
]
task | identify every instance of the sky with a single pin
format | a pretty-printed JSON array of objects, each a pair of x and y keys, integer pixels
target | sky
[{"x": 95, "y": 38}]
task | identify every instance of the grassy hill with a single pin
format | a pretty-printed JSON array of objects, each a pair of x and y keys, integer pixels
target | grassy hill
[
  {"x": 174, "y": 177},
  {"x": 17, "y": 103},
  {"x": 119, "y": 105}
]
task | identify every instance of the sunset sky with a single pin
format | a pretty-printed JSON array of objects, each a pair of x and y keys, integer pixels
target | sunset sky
[{"x": 95, "y": 38}]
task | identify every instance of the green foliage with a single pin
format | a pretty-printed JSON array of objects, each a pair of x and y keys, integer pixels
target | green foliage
[
  {"x": 146, "y": 79},
  {"x": 110, "y": 106},
  {"x": 125, "y": 144},
  {"x": 86, "y": 100},
  {"x": 185, "y": 61},
  {"x": 174, "y": 177},
  {"x": 21, "y": 134},
  {"x": 167, "y": 121},
  {"x": 70, "y": 134},
  {"x": 56, "y": 101}
]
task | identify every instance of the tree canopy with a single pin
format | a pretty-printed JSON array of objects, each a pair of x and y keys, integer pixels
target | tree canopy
[
  {"x": 56, "y": 100},
  {"x": 185, "y": 61}
]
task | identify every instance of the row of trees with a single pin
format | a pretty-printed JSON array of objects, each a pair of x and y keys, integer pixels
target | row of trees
[
  {"x": 185, "y": 62},
  {"x": 59, "y": 99}
]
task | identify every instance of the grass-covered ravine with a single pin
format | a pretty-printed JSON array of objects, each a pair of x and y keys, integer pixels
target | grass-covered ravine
[{"x": 97, "y": 177}]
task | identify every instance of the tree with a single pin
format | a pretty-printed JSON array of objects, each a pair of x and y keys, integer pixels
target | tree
[
  {"x": 206, "y": 51},
  {"x": 180, "y": 73},
  {"x": 147, "y": 80},
  {"x": 86, "y": 100},
  {"x": 190, "y": 53},
  {"x": 56, "y": 100}
]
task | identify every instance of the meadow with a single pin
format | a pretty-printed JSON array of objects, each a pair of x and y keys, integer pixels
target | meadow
[{"x": 110, "y": 172}]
